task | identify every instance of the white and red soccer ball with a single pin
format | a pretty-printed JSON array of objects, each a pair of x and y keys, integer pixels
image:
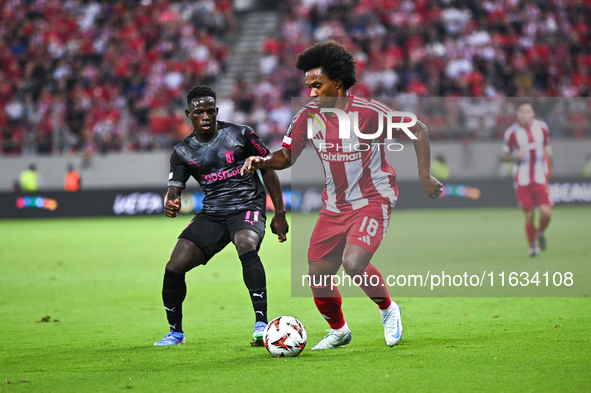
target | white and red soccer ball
[{"x": 285, "y": 337}]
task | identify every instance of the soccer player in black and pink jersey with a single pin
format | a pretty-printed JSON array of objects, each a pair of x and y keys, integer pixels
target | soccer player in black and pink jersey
[
  {"x": 233, "y": 208},
  {"x": 360, "y": 186},
  {"x": 526, "y": 143}
]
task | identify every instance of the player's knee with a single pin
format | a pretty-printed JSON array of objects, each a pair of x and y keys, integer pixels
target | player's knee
[
  {"x": 246, "y": 241},
  {"x": 529, "y": 216},
  {"x": 175, "y": 267},
  {"x": 354, "y": 264},
  {"x": 246, "y": 246},
  {"x": 354, "y": 269},
  {"x": 185, "y": 256},
  {"x": 322, "y": 268}
]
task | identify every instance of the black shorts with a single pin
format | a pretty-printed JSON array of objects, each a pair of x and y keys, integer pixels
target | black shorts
[{"x": 212, "y": 232}]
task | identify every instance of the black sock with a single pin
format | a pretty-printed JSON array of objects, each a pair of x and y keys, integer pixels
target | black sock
[
  {"x": 253, "y": 273},
  {"x": 174, "y": 290}
]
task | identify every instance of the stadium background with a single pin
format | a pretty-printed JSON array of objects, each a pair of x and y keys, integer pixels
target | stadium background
[{"x": 101, "y": 84}]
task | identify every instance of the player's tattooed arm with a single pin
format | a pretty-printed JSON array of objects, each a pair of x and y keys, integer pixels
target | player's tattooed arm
[
  {"x": 172, "y": 201},
  {"x": 430, "y": 184}
]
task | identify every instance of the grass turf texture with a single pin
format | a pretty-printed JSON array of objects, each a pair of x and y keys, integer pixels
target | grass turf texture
[{"x": 97, "y": 284}]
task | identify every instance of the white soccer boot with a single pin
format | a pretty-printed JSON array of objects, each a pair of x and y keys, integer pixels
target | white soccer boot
[
  {"x": 392, "y": 324},
  {"x": 333, "y": 340}
]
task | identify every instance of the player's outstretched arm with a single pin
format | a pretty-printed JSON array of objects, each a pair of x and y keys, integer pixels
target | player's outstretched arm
[
  {"x": 172, "y": 201},
  {"x": 430, "y": 184},
  {"x": 280, "y": 159},
  {"x": 279, "y": 224}
]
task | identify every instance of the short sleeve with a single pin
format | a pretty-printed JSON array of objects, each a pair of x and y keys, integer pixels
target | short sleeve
[
  {"x": 296, "y": 138},
  {"x": 178, "y": 175}
]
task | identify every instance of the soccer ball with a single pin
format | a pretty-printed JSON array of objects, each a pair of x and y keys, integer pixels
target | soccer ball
[{"x": 285, "y": 337}]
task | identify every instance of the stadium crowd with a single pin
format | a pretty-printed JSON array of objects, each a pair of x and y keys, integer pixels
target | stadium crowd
[
  {"x": 485, "y": 50},
  {"x": 74, "y": 66},
  {"x": 106, "y": 75}
]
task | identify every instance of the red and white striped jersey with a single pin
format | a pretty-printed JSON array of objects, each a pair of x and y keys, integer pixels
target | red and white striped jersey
[
  {"x": 533, "y": 168},
  {"x": 356, "y": 171}
]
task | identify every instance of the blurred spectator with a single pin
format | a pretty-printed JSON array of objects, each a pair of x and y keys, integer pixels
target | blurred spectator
[
  {"x": 446, "y": 49},
  {"x": 440, "y": 168},
  {"x": 72, "y": 180},
  {"x": 82, "y": 76},
  {"x": 30, "y": 180},
  {"x": 86, "y": 77}
]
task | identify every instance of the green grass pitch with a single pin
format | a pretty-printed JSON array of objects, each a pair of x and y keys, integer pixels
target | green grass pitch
[{"x": 80, "y": 310}]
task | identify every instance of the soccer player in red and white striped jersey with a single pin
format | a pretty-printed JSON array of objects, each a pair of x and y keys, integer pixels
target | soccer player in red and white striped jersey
[
  {"x": 356, "y": 170},
  {"x": 526, "y": 143},
  {"x": 360, "y": 186}
]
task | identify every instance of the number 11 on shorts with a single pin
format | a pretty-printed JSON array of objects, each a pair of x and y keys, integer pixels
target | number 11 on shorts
[{"x": 254, "y": 215}]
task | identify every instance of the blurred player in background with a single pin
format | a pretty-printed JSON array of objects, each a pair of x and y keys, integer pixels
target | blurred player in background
[
  {"x": 526, "y": 143},
  {"x": 233, "y": 208},
  {"x": 360, "y": 188}
]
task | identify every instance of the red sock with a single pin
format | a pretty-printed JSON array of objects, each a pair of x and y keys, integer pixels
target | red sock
[
  {"x": 376, "y": 288},
  {"x": 544, "y": 221},
  {"x": 530, "y": 230},
  {"x": 328, "y": 301}
]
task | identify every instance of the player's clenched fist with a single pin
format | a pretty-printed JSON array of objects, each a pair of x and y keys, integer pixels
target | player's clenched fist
[
  {"x": 432, "y": 187},
  {"x": 171, "y": 207},
  {"x": 279, "y": 226}
]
